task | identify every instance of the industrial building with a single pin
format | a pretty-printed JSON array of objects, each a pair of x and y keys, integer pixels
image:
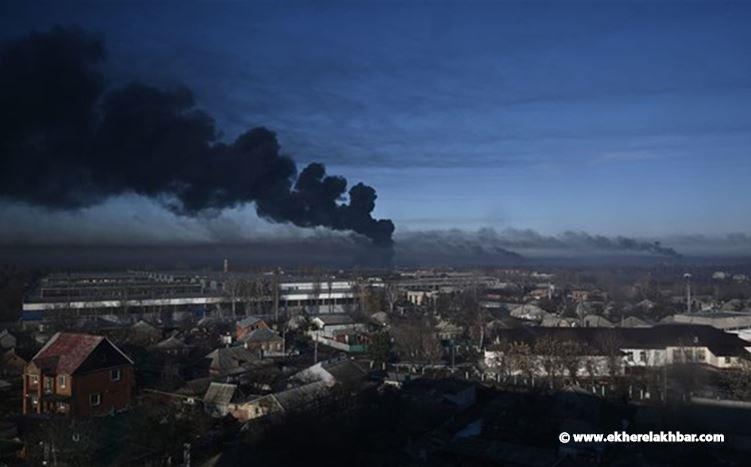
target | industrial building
[{"x": 172, "y": 297}]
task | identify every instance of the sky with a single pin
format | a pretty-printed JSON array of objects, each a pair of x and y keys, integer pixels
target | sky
[{"x": 615, "y": 118}]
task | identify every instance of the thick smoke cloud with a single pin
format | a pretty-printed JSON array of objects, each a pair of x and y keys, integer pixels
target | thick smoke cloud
[
  {"x": 69, "y": 142},
  {"x": 527, "y": 241}
]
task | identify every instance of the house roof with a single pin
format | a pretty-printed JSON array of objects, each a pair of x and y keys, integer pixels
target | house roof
[
  {"x": 219, "y": 393},
  {"x": 229, "y": 358},
  {"x": 249, "y": 321},
  {"x": 65, "y": 352},
  {"x": 171, "y": 343},
  {"x": 346, "y": 372},
  {"x": 596, "y": 321},
  {"x": 633, "y": 321},
  {"x": 144, "y": 326},
  {"x": 332, "y": 320},
  {"x": 299, "y": 396},
  {"x": 261, "y": 335}
]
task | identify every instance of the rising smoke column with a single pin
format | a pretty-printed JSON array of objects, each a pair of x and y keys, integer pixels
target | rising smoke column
[{"x": 67, "y": 142}]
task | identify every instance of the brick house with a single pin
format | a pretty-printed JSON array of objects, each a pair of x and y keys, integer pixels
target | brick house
[
  {"x": 77, "y": 374},
  {"x": 263, "y": 339},
  {"x": 247, "y": 325}
]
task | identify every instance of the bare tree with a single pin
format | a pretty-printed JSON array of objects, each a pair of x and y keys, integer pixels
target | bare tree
[
  {"x": 738, "y": 380},
  {"x": 500, "y": 362},
  {"x": 520, "y": 360},
  {"x": 416, "y": 339},
  {"x": 391, "y": 293},
  {"x": 548, "y": 350},
  {"x": 610, "y": 344},
  {"x": 572, "y": 357}
]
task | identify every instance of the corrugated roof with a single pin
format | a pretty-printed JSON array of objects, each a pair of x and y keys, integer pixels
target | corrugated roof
[
  {"x": 294, "y": 398},
  {"x": 219, "y": 393}
]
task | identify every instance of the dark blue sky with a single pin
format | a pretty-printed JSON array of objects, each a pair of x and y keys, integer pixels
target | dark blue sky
[{"x": 628, "y": 118}]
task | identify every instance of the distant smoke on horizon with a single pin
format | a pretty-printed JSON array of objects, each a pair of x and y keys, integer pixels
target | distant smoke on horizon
[
  {"x": 68, "y": 141},
  {"x": 530, "y": 242}
]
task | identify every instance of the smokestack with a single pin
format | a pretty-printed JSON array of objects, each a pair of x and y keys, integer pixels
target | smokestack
[{"x": 226, "y": 265}]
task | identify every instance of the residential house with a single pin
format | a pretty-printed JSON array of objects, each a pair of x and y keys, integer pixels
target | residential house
[
  {"x": 330, "y": 323},
  {"x": 595, "y": 321},
  {"x": 553, "y": 321},
  {"x": 144, "y": 333},
  {"x": 633, "y": 322},
  {"x": 300, "y": 398},
  {"x": 7, "y": 340},
  {"x": 219, "y": 398},
  {"x": 345, "y": 372},
  {"x": 725, "y": 320},
  {"x": 79, "y": 375},
  {"x": 448, "y": 331},
  {"x": 11, "y": 363},
  {"x": 247, "y": 325},
  {"x": 339, "y": 331},
  {"x": 631, "y": 347},
  {"x": 173, "y": 346},
  {"x": 231, "y": 360},
  {"x": 264, "y": 340},
  {"x": 421, "y": 297},
  {"x": 529, "y": 312}
]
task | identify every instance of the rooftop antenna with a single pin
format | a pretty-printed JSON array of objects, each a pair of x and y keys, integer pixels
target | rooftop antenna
[{"x": 687, "y": 276}]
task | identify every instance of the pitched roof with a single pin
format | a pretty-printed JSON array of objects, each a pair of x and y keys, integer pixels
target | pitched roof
[
  {"x": 596, "y": 321},
  {"x": 229, "y": 358},
  {"x": 634, "y": 322},
  {"x": 219, "y": 393},
  {"x": 171, "y": 343},
  {"x": 261, "y": 335},
  {"x": 65, "y": 352},
  {"x": 303, "y": 395},
  {"x": 333, "y": 320},
  {"x": 142, "y": 325},
  {"x": 249, "y": 321}
]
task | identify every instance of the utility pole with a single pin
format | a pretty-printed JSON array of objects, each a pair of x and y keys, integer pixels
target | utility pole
[{"x": 276, "y": 296}]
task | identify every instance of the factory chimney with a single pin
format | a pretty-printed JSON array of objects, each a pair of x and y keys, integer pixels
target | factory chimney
[{"x": 226, "y": 265}]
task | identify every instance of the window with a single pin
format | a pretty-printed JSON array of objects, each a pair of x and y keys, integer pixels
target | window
[
  {"x": 33, "y": 380},
  {"x": 643, "y": 355},
  {"x": 115, "y": 375},
  {"x": 95, "y": 399},
  {"x": 61, "y": 381},
  {"x": 700, "y": 355},
  {"x": 727, "y": 360}
]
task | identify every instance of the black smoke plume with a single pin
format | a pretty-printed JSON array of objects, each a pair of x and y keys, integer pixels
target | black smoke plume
[
  {"x": 67, "y": 141},
  {"x": 531, "y": 242}
]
